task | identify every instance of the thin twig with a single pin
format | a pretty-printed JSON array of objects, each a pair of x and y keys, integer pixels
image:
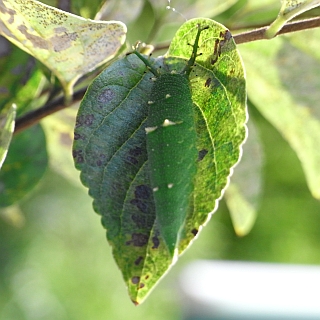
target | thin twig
[
  {"x": 35, "y": 116},
  {"x": 31, "y": 118},
  {"x": 259, "y": 34}
]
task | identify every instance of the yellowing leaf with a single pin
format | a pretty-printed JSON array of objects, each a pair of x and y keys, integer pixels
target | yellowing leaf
[
  {"x": 67, "y": 44},
  {"x": 289, "y": 10}
]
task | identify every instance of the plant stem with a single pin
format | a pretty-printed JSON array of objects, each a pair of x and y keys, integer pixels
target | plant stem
[
  {"x": 33, "y": 117},
  {"x": 259, "y": 34}
]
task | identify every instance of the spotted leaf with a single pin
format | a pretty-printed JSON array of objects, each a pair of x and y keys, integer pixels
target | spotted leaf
[{"x": 111, "y": 148}]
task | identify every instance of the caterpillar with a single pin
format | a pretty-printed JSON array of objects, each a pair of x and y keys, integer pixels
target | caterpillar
[{"x": 171, "y": 146}]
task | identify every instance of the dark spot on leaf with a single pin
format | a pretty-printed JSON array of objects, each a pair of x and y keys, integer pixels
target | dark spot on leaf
[
  {"x": 88, "y": 120},
  {"x": 36, "y": 41},
  {"x": 138, "y": 260},
  {"x": 202, "y": 154},
  {"x": 78, "y": 156},
  {"x": 141, "y": 285},
  {"x": 106, "y": 97},
  {"x": 219, "y": 44},
  {"x": 142, "y": 206},
  {"x": 194, "y": 231},
  {"x": 135, "y": 280},
  {"x": 100, "y": 160},
  {"x": 207, "y": 84},
  {"x": 226, "y": 37},
  {"x": 138, "y": 240},
  {"x": 134, "y": 154},
  {"x": 137, "y": 151},
  {"x": 143, "y": 192},
  {"x": 156, "y": 242},
  {"x": 138, "y": 219},
  {"x": 146, "y": 277},
  {"x": 77, "y": 136},
  {"x": 85, "y": 120},
  {"x": 132, "y": 160}
]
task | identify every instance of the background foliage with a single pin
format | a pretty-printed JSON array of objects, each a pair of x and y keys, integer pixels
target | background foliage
[{"x": 54, "y": 261}]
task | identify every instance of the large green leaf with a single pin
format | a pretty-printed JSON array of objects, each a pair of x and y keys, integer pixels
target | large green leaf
[
  {"x": 110, "y": 147},
  {"x": 68, "y": 45}
]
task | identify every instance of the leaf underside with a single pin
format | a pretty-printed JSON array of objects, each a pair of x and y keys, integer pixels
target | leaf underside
[{"x": 110, "y": 148}]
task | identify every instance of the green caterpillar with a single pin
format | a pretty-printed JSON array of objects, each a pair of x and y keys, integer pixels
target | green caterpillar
[{"x": 171, "y": 146}]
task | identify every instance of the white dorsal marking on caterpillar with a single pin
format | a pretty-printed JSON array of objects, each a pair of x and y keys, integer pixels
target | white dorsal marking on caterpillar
[
  {"x": 167, "y": 123},
  {"x": 150, "y": 129},
  {"x": 168, "y": 7},
  {"x": 155, "y": 189},
  {"x": 170, "y": 185},
  {"x": 168, "y": 95},
  {"x": 150, "y": 102}
]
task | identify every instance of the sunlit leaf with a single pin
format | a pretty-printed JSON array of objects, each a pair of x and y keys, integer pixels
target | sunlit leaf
[
  {"x": 110, "y": 148},
  {"x": 285, "y": 90},
  {"x": 289, "y": 10},
  {"x": 7, "y": 121},
  {"x": 68, "y": 45}
]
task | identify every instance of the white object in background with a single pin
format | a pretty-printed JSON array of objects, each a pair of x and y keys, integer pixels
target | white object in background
[{"x": 247, "y": 290}]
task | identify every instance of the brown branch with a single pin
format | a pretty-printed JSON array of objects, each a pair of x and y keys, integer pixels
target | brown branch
[
  {"x": 259, "y": 34},
  {"x": 33, "y": 117}
]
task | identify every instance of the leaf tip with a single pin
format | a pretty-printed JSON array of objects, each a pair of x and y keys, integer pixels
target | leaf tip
[{"x": 136, "y": 303}]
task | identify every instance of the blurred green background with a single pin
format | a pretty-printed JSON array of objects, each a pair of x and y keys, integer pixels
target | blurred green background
[{"x": 55, "y": 262}]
